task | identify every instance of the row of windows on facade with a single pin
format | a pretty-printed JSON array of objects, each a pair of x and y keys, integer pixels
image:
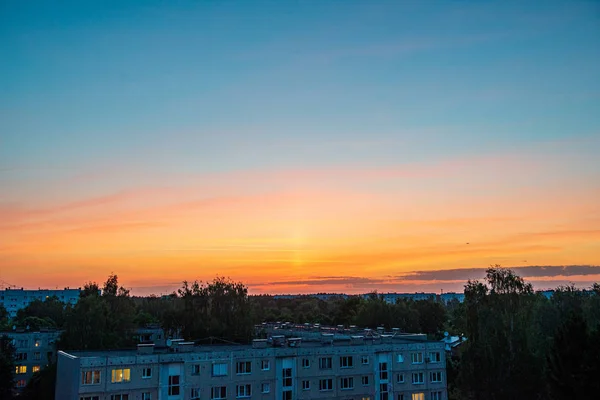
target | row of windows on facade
[
  {"x": 22, "y": 369},
  {"x": 243, "y": 367},
  {"x": 25, "y": 343},
  {"x": 245, "y": 391}
]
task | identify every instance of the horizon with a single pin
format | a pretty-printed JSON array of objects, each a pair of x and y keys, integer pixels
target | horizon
[{"x": 299, "y": 146}]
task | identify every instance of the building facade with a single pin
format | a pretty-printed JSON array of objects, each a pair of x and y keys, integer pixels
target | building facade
[
  {"x": 33, "y": 351},
  {"x": 15, "y": 299},
  {"x": 388, "y": 367}
]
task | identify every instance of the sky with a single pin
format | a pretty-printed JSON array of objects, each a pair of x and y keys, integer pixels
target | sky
[{"x": 299, "y": 147}]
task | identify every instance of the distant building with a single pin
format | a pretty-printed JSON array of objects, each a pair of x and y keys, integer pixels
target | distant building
[
  {"x": 16, "y": 299},
  {"x": 448, "y": 297},
  {"x": 375, "y": 367},
  {"x": 33, "y": 351},
  {"x": 392, "y": 298}
]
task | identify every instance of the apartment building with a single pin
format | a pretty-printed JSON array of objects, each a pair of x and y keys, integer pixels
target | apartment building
[
  {"x": 383, "y": 367},
  {"x": 33, "y": 351},
  {"x": 15, "y": 299}
]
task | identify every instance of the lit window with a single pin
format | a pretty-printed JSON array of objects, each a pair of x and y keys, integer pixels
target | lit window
[
  {"x": 146, "y": 373},
  {"x": 218, "y": 392},
  {"x": 219, "y": 369},
  {"x": 35, "y": 368},
  {"x": 416, "y": 358},
  {"x": 305, "y": 385},
  {"x": 21, "y": 369},
  {"x": 265, "y": 388},
  {"x": 90, "y": 377},
  {"x": 173, "y": 385},
  {"x": 243, "y": 390},
  {"x": 347, "y": 383},
  {"x": 120, "y": 375},
  {"x": 325, "y": 384},
  {"x": 243, "y": 367},
  {"x": 265, "y": 365},
  {"x": 418, "y": 396},
  {"x": 38, "y": 343}
]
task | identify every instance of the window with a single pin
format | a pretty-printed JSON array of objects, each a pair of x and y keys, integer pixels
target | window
[
  {"x": 436, "y": 395},
  {"x": 37, "y": 355},
  {"x": 196, "y": 369},
  {"x": 21, "y": 357},
  {"x": 287, "y": 395},
  {"x": 90, "y": 377},
  {"x": 364, "y": 360},
  {"x": 400, "y": 397},
  {"x": 244, "y": 390},
  {"x": 35, "y": 368},
  {"x": 146, "y": 373},
  {"x": 22, "y": 343},
  {"x": 383, "y": 391},
  {"x": 435, "y": 357},
  {"x": 195, "y": 393},
  {"x": 400, "y": 378},
  {"x": 325, "y": 363},
  {"x": 265, "y": 388},
  {"x": 416, "y": 358},
  {"x": 383, "y": 373},
  {"x": 265, "y": 365},
  {"x": 119, "y": 397},
  {"x": 287, "y": 377},
  {"x": 120, "y": 375},
  {"x": 243, "y": 367},
  {"x": 219, "y": 369},
  {"x": 305, "y": 363},
  {"x": 37, "y": 343},
  {"x": 218, "y": 392},
  {"x": 91, "y": 398},
  {"x": 326, "y": 384},
  {"x": 365, "y": 380},
  {"x": 347, "y": 383},
  {"x": 418, "y": 378},
  {"x": 435, "y": 376},
  {"x": 21, "y": 383},
  {"x": 146, "y": 396},
  {"x": 174, "y": 385},
  {"x": 346, "y": 362},
  {"x": 21, "y": 369},
  {"x": 418, "y": 396},
  {"x": 400, "y": 358},
  {"x": 305, "y": 385}
]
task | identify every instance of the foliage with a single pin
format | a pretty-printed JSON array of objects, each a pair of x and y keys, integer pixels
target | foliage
[
  {"x": 7, "y": 367},
  {"x": 49, "y": 313},
  {"x": 42, "y": 385}
]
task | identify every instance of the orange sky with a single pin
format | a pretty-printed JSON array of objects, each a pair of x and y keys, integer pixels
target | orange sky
[{"x": 309, "y": 230}]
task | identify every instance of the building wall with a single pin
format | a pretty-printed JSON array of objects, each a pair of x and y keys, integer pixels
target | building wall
[
  {"x": 67, "y": 381},
  {"x": 195, "y": 371},
  {"x": 15, "y": 299},
  {"x": 33, "y": 350}
]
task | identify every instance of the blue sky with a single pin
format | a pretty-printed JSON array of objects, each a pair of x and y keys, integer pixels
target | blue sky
[{"x": 103, "y": 97}]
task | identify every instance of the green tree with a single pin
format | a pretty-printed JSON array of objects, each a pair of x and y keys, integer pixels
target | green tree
[
  {"x": 42, "y": 385},
  {"x": 7, "y": 367}
]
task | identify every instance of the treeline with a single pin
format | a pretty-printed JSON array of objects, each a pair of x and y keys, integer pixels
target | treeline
[{"x": 520, "y": 344}]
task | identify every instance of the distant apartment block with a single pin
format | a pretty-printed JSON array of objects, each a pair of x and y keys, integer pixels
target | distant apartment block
[
  {"x": 15, "y": 299},
  {"x": 378, "y": 367},
  {"x": 33, "y": 351}
]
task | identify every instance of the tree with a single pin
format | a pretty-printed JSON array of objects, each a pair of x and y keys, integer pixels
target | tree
[
  {"x": 42, "y": 385},
  {"x": 48, "y": 313},
  {"x": 7, "y": 367},
  {"x": 90, "y": 289}
]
